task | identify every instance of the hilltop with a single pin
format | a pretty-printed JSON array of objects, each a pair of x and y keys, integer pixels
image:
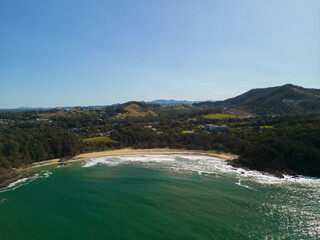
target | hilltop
[
  {"x": 136, "y": 109},
  {"x": 286, "y": 99}
]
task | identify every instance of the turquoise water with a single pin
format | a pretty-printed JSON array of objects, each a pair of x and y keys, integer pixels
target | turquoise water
[{"x": 159, "y": 197}]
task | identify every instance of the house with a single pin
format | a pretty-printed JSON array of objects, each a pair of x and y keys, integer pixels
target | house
[
  {"x": 43, "y": 120},
  {"x": 216, "y": 128},
  {"x": 94, "y": 135},
  {"x": 150, "y": 127},
  {"x": 4, "y": 121}
]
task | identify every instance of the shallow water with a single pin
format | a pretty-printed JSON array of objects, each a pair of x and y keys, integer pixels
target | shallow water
[{"x": 159, "y": 197}]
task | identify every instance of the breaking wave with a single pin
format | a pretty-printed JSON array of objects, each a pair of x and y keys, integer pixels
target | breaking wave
[
  {"x": 24, "y": 181},
  {"x": 202, "y": 165}
]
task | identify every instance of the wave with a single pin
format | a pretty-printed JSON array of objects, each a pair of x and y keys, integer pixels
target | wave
[
  {"x": 24, "y": 181},
  {"x": 201, "y": 165},
  {"x": 3, "y": 200},
  {"x": 245, "y": 186}
]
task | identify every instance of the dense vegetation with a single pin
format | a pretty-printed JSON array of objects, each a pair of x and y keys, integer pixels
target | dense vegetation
[
  {"x": 35, "y": 143},
  {"x": 277, "y": 144},
  {"x": 292, "y": 146}
]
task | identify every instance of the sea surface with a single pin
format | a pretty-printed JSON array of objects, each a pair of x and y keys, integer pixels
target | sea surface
[{"x": 158, "y": 197}]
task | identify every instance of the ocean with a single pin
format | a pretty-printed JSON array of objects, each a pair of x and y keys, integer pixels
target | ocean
[{"x": 159, "y": 197}]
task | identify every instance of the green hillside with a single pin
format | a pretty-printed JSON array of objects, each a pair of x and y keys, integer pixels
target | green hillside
[
  {"x": 137, "y": 109},
  {"x": 286, "y": 99}
]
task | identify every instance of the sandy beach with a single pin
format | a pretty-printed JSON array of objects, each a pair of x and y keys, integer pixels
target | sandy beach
[{"x": 129, "y": 151}]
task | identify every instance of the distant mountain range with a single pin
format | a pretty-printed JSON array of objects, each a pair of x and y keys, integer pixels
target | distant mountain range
[
  {"x": 286, "y": 99},
  {"x": 171, "y": 102},
  {"x": 23, "y": 109}
]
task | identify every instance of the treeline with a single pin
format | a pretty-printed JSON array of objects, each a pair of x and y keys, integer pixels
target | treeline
[
  {"x": 21, "y": 146},
  {"x": 284, "y": 144},
  {"x": 137, "y": 136},
  {"x": 285, "y": 148}
]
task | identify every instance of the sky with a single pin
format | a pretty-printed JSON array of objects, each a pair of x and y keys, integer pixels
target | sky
[{"x": 76, "y": 52}]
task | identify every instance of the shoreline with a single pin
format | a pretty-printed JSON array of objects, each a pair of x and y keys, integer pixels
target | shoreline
[
  {"x": 24, "y": 171},
  {"x": 130, "y": 151}
]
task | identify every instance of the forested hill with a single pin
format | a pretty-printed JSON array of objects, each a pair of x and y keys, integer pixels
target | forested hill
[{"x": 286, "y": 99}]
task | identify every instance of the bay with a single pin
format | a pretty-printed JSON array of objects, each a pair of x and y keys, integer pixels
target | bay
[{"x": 159, "y": 197}]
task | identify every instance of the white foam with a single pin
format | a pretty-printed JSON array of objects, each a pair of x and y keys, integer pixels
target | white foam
[
  {"x": 17, "y": 182},
  {"x": 245, "y": 186},
  {"x": 120, "y": 160},
  {"x": 25, "y": 181},
  {"x": 201, "y": 165}
]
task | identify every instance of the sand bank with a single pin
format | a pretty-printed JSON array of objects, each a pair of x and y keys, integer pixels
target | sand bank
[{"x": 129, "y": 151}]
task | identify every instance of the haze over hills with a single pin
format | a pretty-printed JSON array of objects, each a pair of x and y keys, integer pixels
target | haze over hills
[
  {"x": 164, "y": 102},
  {"x": 286, "y": 99},
  {"x": 23, "y": 109}
]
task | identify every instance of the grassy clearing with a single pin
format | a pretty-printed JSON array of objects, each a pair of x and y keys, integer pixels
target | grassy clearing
[
  {"x": 220, "y": 116},
  {"x": 251, "y": 127},
  {"x": 99, "y": 139},
  {"x": 51, "y": 115},
  {"x": 241, "y": 124},
  {"x": 133, "y": 110},
  {"x": 187, "y": 132},
  {"x": 192, "y": 119}
]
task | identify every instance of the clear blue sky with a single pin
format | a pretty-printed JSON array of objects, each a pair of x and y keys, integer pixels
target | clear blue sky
[{"x": 75, "y": 52}]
